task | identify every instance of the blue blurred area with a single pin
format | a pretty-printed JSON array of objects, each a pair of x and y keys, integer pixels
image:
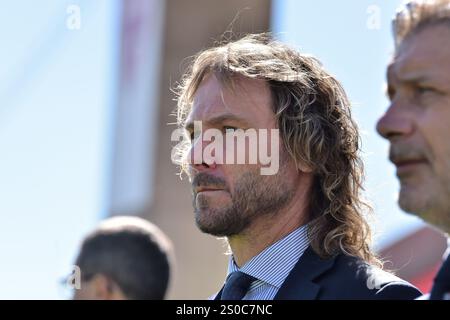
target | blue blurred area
[
  {"x": 353, "y": 40},
  {"x": 57, "y": 88}
]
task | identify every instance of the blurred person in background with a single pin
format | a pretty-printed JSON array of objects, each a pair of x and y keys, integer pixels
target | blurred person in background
[
  {"x": 124, "y": 258},
  {"x": 299, "y": 233},
  {"x": 417, "y": 122}
]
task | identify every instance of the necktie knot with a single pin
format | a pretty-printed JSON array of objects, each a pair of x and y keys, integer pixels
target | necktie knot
[{"x": 236, "y": 286}]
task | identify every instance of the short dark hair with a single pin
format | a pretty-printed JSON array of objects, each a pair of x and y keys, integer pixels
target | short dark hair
[{"x": 130, "y": 251}]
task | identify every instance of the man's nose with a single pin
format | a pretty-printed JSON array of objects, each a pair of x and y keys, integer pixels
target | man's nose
[
  {"x": 395, "y": 122},
  {"x": 198, "y": 161}
]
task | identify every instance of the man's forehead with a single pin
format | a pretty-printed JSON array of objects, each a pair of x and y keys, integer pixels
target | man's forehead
[
  {"x": 415, "y": 68},
  {"x": 210, "y": 109},
  {"x": 215, "y": 112},
  {"x": 241, "y": 101},
  {"x": 421, "y": 56}
]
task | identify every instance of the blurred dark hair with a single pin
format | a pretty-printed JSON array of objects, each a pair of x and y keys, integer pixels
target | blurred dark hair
[{"x": 133, "y": 253}]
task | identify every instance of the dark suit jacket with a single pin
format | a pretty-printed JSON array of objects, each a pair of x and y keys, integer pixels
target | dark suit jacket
[
  {"x": 441, "y": 285},
  {"x": 341, "y": 277}
]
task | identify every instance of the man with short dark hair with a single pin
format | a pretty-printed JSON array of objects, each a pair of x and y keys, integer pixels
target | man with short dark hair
[
  {"x": 417, "y": 122},
  {"x": 124, "y": 258}
]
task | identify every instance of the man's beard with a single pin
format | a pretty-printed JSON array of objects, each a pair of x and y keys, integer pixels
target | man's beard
[
  {"x": 254, "y": 196},
  {"x": 424, "y": 194}
]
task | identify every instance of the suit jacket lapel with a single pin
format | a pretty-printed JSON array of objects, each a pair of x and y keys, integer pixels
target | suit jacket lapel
[
  {"x": 299, "y": 284},
  {"x": 219, "y": 294}
]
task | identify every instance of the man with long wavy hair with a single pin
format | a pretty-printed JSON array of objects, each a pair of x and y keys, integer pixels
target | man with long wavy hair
[
  {"x": 299, "y": 232},
  {"x": 417, "y": 122}
]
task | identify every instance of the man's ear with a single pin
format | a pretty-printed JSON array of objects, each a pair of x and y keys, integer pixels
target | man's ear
[
  {"x": 304, "y": 168},
  {"x": 300, "y": 166},
  {"x": 103, "y": 286},
  {"x": 106, "y": 288}
]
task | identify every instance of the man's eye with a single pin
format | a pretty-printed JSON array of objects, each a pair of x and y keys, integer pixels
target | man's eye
[
  {"x": 390, "y": 93},
  {"x": 194, "y": 134},
  {"x": 229, "y": 128},
  {"x": 190, "y": 134},
  {"x": 423, "y": 90}
]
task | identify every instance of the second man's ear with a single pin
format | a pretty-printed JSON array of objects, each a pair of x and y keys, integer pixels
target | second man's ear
[
  {"x": 103, "y": 286},
  {"x": 107, "y": 289}
]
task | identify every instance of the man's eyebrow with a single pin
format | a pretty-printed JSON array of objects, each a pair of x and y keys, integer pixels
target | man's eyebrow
[
  {"x": 189, "y": 126},
  {"x": 390, "y": 71},
  {"x": 415, "y": 79},
  {"x": 411, "y": 78},
  {"x": 217, "y": 120},
  {"x": 226, "y": 117}
]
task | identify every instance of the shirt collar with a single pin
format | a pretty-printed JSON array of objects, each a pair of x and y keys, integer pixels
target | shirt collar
[{"x": 274, "y": 263}]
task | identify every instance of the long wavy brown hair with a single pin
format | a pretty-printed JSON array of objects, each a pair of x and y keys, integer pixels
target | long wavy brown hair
[{"x": 316, "y": 127}]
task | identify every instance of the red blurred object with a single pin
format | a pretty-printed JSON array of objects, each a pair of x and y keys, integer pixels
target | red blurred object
[{"x": 425, "y": 281}]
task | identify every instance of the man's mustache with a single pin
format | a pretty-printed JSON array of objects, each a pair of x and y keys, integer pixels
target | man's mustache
[
  {"x": 207, "y": 180},
  {"x": 402, "y": 152}
]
